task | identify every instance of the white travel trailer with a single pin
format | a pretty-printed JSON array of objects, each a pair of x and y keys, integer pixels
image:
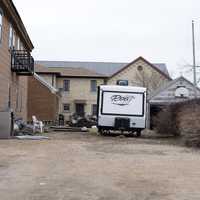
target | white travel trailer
[{"x": 121, "y": 108}]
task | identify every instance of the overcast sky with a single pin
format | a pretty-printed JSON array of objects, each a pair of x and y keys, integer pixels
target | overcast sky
[{"x": 113, "y": 30}]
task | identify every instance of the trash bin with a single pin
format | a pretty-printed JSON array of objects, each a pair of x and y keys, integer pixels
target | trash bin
[{"x": 61, "y": 120}]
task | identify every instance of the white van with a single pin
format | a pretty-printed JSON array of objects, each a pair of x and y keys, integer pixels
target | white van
[{"x": 121, "y": 108}]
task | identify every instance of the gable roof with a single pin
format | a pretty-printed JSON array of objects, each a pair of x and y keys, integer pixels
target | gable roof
[
  {"x": 68, "y": 71},
  {"x": 105, "y": 68},
  {"x": 160, "y": 68},
  {"x": 167, "y": 85}
]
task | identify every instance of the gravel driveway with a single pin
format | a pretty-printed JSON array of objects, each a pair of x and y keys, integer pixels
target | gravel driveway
[{"x": 77, "y": 166}]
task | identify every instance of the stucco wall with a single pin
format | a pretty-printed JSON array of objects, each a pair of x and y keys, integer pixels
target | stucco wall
[{"x": 79, "y": 90}]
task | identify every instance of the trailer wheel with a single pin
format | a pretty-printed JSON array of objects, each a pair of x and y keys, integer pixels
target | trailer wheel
[
  {"x": 138, "y": 133},
  {"x": 131, "y": 133},
  {"x": 102, "y": 132}
]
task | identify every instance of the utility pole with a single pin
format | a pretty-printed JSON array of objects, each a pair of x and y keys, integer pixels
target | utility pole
[{"x": 194, "y": 59}]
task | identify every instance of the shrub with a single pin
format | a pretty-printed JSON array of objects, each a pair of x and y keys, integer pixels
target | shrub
[{"x": 165, "y": 121}]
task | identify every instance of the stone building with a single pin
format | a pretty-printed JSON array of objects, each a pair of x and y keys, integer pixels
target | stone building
[
  {"x": 78, "y": 81},
  {"x": 77, "y": 88}
]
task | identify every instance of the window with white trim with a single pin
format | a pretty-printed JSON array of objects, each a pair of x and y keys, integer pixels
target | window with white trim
[
  {"x": 10, "y": 37},
  {"x": 13, "y": 40},
  {"x": 18, "y": 43},
  {"x": 1, "y": 25}
]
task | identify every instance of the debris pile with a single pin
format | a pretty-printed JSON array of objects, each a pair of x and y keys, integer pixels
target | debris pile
[
  {"x": 87, "y": 121},
  {"x": 22, "y": 128}
]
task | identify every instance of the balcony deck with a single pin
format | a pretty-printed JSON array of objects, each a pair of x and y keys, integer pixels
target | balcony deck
[{"x": 22, "y": 62}]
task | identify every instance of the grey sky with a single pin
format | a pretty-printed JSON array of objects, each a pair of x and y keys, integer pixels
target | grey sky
[{"x": 113, "y": 30}]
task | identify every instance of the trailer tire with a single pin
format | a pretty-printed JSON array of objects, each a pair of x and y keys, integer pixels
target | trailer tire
[
  {"x": 138, "y": 133},
  {"x": 102, "y": 132},
  {"x": 131, "y": 133}
]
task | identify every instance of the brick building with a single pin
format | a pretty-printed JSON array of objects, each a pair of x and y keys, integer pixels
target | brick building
[
  {"x": 43, "y": 99},
  {"x": 16, "y": 63}
]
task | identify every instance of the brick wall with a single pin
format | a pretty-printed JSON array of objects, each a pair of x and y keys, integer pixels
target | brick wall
[
  {"x": 13, "y": 88},
  {"x": 188, "y": 117},
  {"x": 41, "y": 102}
]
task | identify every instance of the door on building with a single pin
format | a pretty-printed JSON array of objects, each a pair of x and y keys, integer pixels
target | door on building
[{"x": 80, "y": 109}]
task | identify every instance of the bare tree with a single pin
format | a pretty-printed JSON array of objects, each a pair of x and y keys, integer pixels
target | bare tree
[
  {"x": 188, "y": 69},
  {"x": 152, "y": 80}
]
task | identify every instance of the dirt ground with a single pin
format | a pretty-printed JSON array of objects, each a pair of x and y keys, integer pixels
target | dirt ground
[{"x": 80, "y": 166}]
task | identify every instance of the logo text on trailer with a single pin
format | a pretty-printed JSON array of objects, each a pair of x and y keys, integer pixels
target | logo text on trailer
[{"x": 121, "y": 100}]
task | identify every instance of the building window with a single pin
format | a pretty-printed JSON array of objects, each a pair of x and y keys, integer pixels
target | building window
[
  {"x": 1, "y": 25},
  {"x": 13, "y": 40},
  {"x": 93, "y": 85},
  {"x": 53, "y": 80},
  {"x": 18, "y": 43},
  {"x": 11, "y": 37},
  {"x": 66, "y": 85},
  {"x": 22, "y": 47},
  {"x": 122, "y": 82},
  {"x": 94, "y": 109},
  {"x": 66, "y": 107}
]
